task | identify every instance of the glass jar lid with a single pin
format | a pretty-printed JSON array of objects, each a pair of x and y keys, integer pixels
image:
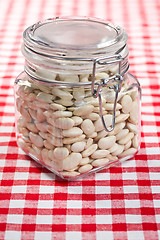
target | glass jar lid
[
  {"x": 78, "y": 34},
  {"x": 71, "y": 45}
]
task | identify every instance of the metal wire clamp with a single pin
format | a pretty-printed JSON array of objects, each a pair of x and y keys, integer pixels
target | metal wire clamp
[
  {"x": 96, "y": 92},
  {"x": 118, "y": 79}
]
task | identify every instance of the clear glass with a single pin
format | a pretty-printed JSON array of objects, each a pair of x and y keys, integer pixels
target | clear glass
[
  {"x": 58, "y": 120},
  {"x": 60, "y": 127}
]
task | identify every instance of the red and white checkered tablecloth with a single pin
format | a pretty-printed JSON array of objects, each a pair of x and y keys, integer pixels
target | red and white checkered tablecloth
[{"x": 120, "y": 203}]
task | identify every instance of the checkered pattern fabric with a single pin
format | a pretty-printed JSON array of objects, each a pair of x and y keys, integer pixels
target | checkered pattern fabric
[{"x": 120, "y": 203}]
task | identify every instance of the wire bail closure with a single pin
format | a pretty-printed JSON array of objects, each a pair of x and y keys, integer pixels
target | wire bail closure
[
  {"x": 96, "y": 92},
  {"x": 118, "y": 78}
]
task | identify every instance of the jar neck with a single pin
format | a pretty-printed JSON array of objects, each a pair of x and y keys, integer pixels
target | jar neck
[{"x": 44, "y": 68}]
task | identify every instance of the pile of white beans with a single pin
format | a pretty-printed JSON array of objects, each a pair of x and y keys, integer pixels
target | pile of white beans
[{"x": 61, "y": 126}]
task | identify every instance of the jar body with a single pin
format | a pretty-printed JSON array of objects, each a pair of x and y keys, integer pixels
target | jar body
[{"x": 60, "y": 126}]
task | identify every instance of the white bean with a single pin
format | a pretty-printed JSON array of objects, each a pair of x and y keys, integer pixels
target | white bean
[
  {"x": 39, "y": 104},
  {"x": 100, "y": 154},
  {"x": 84, "y": 78},
  {"x": 125, "y": 140},
  {"x": 56, "y": 106},
  {"x": 101, "y": 75},
  {"x": 132, "y": 127},
  {"x": 127, "y": 145},
  {"x": 109, "y": 106},
  {"x": 93, "y": 135},
  {"x": 100, "y": 162},
  {"x": 54, "y": 140},
  {"x": 55, "y": 131},
  {"x": 78, "y": 146},
  {"x": 135, "y": 142},
  {"x": 133, "y": 118},
  {"x": 122, "y": 134},
  {"x": 45, "y": 157},
  {"x": 37, "y": 151},
  {"x": 89, "y": 150},
  {"x": 112, "y": 158},
  {"x": 88, "y": 127},
  {"x": 61, "y": 94},
  {"x": 84, "y": 161},
  {"x": 48, "y": 145},
  {"x": 77, "y": 120},
  {"x": 85, "y": 168},
  {"x": 106, "y": 142},
  {"x": 113, "y": 148},
  {"x": 94, "y": 101},
  {"x": 83, "y": 110},
  {"x": 71, "y": 140},
  {"x": 59, "y": 114},
  {"x": 24, "y": 131},
  {"x": 32, "y": 127},
  {"x": 61, "y": 153},
  {"x": 126, "y": 103},
  {"x": 72, "y": 161},
  {"x": 118, "y": 151},
  {"x": 121, "y": 118},
  {"x": 64, "y": 102},
  {"x": 40, "y": 116},
  {"x": 36, "y": 139},
  {"x": 41, "y": 126},
  {"x": 44, "y": 97},
  {"x": 78, "y": 94},
  {"x": 92, "y": 116},
  {"x": 45, "y": 74},
  {"x": 89, "y": 143},
  {"x": 24, "y": 112},
  {"x": 64, "y": 123},
  {"x": 69, "y": 78},
  {"x": 72, "y": 132},
  {"x": 129, "y": 152}
]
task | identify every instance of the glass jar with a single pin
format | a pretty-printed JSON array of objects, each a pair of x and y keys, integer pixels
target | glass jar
[{"x": 77, "y": 107}]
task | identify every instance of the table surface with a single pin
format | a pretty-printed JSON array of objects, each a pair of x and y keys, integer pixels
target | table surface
[{"x": 122, "y": 202}]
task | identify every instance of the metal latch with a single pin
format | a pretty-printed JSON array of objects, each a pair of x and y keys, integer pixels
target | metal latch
[{"x": 97, "y": 87}]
